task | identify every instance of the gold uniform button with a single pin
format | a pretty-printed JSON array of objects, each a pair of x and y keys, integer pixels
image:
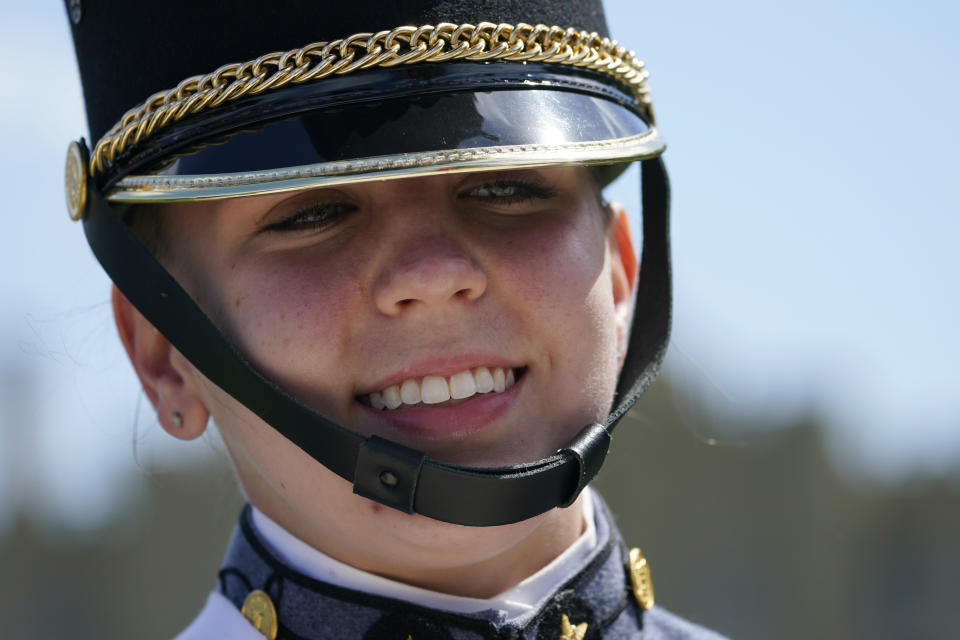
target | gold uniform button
[
  {"x": 640, "y": 578},
  {"x": 259, "y": 610},
  {"x": 75, "y": 180}
]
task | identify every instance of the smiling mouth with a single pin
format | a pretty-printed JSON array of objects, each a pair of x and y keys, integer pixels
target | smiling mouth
[{"x": 440, "y": 391}]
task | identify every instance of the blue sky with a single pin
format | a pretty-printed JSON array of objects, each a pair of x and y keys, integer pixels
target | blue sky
[
  {"x": 812, "y": 151},
  {"x": 812, "y": 148}
]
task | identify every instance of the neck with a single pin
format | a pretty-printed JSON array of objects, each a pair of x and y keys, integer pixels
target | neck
[
  {"x": 471, "y": 562},
  {"x": 493, "y": 575}
]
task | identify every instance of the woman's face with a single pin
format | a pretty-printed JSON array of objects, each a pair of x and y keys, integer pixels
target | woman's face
[{"x": 350, "y": 297}]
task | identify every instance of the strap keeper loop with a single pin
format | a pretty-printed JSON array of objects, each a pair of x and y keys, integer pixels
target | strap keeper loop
[
  {"x": 388, "y": 473},
  {"x": 589, "y": 449}
]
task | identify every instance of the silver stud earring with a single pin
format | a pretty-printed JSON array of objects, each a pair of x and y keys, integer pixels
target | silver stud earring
[{"x": 177, "y": 419}]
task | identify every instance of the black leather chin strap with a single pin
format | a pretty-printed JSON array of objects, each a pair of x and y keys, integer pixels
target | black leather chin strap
[
  {"x": 653, "y": 311},
  {"x": 379, "y": 469}
]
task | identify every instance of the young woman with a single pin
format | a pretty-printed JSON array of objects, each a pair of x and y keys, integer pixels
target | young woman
[{"x": 383, "y": 266}]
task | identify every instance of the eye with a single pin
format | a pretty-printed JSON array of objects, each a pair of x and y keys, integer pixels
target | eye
[
  {"x": 317, "y": 217},
  {"x": 507, "y": 191}
]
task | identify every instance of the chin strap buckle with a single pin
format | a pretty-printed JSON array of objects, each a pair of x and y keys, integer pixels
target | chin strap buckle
[
  {"x": 388, "y": 473},
  {"x": 589, "y": 449}
]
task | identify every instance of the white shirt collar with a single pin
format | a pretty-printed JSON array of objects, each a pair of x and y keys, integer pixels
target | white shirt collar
[{"x": 521, "y": 599}]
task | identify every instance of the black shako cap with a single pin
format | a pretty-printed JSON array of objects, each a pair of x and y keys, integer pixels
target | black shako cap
[{"x": 127, "y": 51}]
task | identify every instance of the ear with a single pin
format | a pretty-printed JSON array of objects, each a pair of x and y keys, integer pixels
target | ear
[
  {"x": 623, "y": 271},
  {"x": 167, "y": 378}
]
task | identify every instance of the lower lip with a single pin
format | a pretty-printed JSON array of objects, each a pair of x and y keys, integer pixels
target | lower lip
[{"x": 470, "y": 416}]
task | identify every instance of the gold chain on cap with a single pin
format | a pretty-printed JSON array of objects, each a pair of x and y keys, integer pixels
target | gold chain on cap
[{"x": 403, "y": 45}]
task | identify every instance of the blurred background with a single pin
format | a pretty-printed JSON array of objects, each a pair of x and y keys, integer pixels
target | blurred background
[{"x": 794, "y": 474}]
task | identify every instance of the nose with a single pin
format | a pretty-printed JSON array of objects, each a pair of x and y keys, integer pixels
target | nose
[{"x": 434, "y": 272}]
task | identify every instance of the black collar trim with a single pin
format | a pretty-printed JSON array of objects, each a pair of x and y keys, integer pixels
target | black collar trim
[{"x": 286, "y": 585}]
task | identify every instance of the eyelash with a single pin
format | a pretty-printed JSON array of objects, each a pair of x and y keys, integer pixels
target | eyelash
[
  {"x": 328, "y": 213},
  {"x": 525, "y": 190}
]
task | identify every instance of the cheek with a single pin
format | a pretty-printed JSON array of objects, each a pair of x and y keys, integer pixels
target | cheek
[
  {"x": 558, "y": 276},
  {"x": 560, "y": 271},
  {"x": 291, "y": 317}
]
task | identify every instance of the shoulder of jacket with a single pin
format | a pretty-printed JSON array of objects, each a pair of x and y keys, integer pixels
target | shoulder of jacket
[
  {"x": 660, "y": 624},
  {"x": 219, "y": 619}
]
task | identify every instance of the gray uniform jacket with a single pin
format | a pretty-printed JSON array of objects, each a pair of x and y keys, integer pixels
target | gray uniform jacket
[{"x": 600, "y": 595}]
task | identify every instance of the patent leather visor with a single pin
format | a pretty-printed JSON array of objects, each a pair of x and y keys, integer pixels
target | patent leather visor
[{"x": 391, "y": 123}]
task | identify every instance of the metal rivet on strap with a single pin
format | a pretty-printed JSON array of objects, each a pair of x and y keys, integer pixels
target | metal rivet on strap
[
  {"x": 389, "y": 479},
  {"x": 640, "y": 578},
  {"x": 76, "y": 11},
  {"x": 259, "y": 610}
]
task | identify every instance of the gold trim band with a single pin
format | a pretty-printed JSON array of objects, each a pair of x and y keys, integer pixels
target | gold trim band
[
  {"x": 403, "y": 45},
  {"x": 172, "y": 188}
]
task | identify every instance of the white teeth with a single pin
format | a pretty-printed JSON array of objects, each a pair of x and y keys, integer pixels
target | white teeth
[
  {"x": 498, "y": 380},
  {"x": 437, "y": 389},
  {"x": 484, "y": 380},
  {"x": 410, "y": 392},
  {"x": 391, "y": 397},
  {"x": 462, "y": 385}
]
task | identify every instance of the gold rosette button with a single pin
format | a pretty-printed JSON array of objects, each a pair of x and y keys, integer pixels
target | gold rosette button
[{"x": 75, "y": 180}]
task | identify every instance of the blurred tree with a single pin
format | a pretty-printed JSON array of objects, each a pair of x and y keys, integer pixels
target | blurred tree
[{"x": 756, "y": 536}]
